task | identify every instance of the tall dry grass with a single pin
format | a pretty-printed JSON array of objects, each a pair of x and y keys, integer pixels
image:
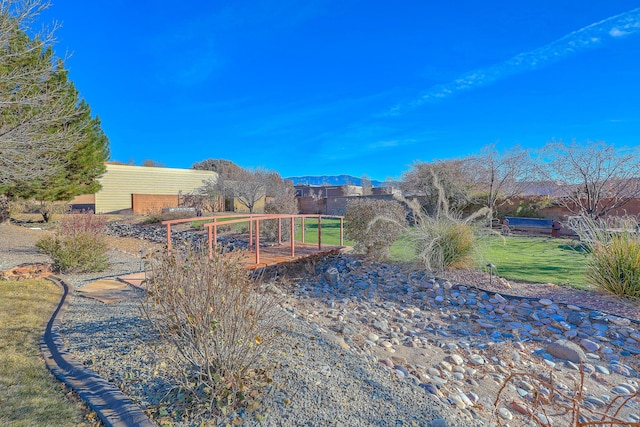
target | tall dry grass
[
  {"x": 613, "y": 264},
  {"x": 445, "y": 239}
]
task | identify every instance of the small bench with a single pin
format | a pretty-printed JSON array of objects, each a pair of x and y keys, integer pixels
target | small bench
[{"x": 533, "y": 225}]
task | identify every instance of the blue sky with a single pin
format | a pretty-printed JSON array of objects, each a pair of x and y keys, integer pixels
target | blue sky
[{"x": 356, "y": 87}]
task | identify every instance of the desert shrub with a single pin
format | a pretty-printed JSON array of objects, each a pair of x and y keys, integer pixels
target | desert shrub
[
  {"x": 613, "y": 264},
  {"x": 155, "y": 216},
  {"x": 444, "y": 239},
  {"x": 269, "y": 229},
  {"x": 215, "y": 324},
  {"x": 19, "y": 206},
  {"x": 83, "y": 223},
  {"x": 78, "y": 245},
  {"x": 443, "y": 242},
  {"x": 153, "y": 219},
  {"x": 50, "y": 208},
  {"x": 374, "y": 225}
]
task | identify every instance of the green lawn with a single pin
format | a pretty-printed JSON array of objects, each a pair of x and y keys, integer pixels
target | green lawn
[
  {"x": 29, "y": 394},
  {"x": 329, "y": 227},
  {"x": 527, "y": 259},
  {"x": 534, "y": 259}
]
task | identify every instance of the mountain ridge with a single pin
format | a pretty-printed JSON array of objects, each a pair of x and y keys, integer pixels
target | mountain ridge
[{"x": 317, "y": 180}]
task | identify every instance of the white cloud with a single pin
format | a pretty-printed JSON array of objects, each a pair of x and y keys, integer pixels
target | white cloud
[
  {"x": 588, "y": 37},
  {"x": 616, "y": 32}
]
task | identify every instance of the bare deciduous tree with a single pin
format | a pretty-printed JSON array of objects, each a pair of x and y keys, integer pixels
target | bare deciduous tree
[
  {"x": 595, "y": 178},
  {"x": 281, "y": 199},
  {"x": 153, "y": 164},
  {"x": 281, "y": 195},
  {"x": 246, "y": 186},
  {"x": 501, "y": 177},
  {"x": 452, "y": 176},
  {"x": 367, "y": 186}
]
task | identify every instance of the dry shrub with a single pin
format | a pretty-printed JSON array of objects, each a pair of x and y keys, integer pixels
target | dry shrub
[
  {"x": 614, "y": 259},
  {"x": 83, "y": 223},
  {"x": 269, "y": 228},
  {"x": 155, "y": 216},
  {"x": 78, "y": 245},
  {"x": 443, "y": 243},
  {"x": 615, "y": 267},
  {"x": 550, "y": 405},
  {"x": 445, "y": 239},
  {"x": 216, "y": 326},
  {"x": 374, "y": 225}
]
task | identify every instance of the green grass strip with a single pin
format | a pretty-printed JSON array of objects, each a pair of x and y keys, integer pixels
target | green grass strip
[{"x": 29, "y": 394}]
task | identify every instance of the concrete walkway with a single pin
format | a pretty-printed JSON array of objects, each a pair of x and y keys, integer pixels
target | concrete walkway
[{"x": 113, "y": 408}]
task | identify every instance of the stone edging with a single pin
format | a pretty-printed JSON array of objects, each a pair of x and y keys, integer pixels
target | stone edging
[{"x": 113, "y": 408}]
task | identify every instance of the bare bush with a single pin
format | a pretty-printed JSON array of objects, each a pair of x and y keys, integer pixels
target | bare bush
[
  {"x": 374, "y": 225},
  {"x": 550, "y": 405},
  {"x": 85, "y": 222},
  {"x": 215, "y": 325},
  {"x": 281, "y": 200},
  {"x": 79, "y": 244}
]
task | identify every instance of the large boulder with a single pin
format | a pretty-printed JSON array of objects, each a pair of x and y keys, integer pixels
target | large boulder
[{"x": 566, "y": 350}]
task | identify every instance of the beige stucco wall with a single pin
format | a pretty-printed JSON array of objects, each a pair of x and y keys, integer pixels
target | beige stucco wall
[{"x": 121, "y": 181}]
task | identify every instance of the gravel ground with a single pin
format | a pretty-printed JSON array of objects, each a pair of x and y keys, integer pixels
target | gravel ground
[{"x": 319, "y": 383}]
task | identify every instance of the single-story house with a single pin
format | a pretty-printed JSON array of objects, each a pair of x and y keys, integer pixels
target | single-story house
[{"x": 141, "y": 189}]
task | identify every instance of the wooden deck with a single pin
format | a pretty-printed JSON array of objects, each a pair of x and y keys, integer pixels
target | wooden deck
[{"x": 274, "y": 255}]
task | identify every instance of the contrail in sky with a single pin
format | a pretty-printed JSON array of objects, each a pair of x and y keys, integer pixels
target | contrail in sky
[{"x": 588, "y": 37}]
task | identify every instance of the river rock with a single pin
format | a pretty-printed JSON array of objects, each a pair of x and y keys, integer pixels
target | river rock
[{"x": 566, "y": 350}]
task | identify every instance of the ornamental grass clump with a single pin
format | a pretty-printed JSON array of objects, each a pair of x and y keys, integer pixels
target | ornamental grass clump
[
  {"x": 613, "y": 264},
  {"x": 216, "y": 327},
  {"x": 374, "y": 225},
  {"x": 443, "y": 243},
  {"x": 79, "y": 245},
  {"x": 444, "y": 240}
]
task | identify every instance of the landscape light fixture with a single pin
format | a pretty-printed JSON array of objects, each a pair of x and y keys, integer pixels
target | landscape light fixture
[
  {"x": 142, "y": 252},
  {"x": 491, "y": 267}
]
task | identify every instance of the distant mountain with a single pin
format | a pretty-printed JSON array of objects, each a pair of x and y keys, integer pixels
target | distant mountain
[{"x": 332, "y": 180}]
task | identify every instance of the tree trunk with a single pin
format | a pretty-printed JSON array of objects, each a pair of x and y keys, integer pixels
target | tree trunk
[{"x": 4, "y": 209}]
